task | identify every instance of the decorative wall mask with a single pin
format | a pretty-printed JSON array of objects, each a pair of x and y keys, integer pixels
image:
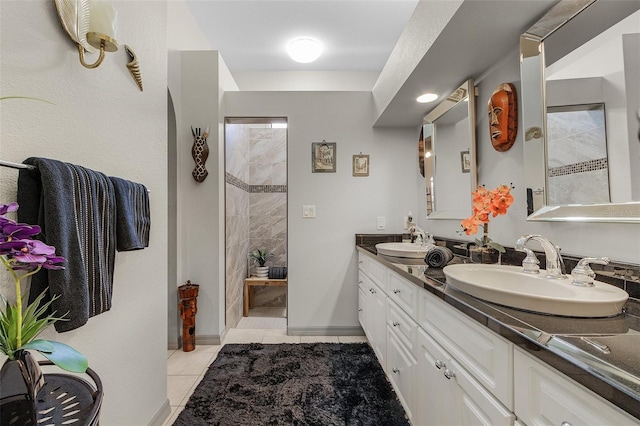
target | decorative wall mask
[
  {"x": 134, "y": 66},
  {"x": 200, "y": 153},
  {"x": 503, "y": 117}
]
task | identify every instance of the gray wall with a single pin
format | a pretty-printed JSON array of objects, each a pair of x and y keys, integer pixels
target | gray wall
[{"x": 322, "y": 295}]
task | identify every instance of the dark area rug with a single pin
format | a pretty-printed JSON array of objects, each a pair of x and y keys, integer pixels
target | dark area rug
[{"x": 294, "y": 384}]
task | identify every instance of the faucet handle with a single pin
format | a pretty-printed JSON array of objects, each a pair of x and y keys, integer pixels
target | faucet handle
[
  {"x": 582, "y": 274},
  {"x": 530, "y": 264}
]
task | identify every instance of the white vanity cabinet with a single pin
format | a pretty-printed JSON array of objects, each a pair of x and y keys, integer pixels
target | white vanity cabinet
[
  {"x": 544, "y": 397},
  {"x": 447, "y": 394},
  {"x": 372, "y": 310}
]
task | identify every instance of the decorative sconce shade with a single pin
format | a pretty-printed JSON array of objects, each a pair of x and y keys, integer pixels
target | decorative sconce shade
[{"x": 92, "y": 25}]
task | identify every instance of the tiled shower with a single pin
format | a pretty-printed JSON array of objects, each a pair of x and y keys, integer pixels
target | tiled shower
[{"x": 256, "y": 207}]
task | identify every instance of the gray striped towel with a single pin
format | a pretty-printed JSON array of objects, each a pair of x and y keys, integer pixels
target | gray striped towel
[
  {"x": 75, "y": 207},
  {"x": 133, "y": 219}
]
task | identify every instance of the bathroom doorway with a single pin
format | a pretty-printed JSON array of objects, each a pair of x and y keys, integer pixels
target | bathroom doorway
[{"x": 256, "y": 218}]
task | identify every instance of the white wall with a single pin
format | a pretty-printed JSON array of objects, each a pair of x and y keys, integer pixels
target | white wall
[
  {"x": 322, "y": 295},
  {"x": 617, "y": 241},
  {"x": 100, "y": 120}
]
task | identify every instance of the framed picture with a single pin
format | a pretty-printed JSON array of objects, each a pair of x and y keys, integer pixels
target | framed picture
[
  {"x": 323, "y": 157},
  {"x": 361, "y": 165},
  {"x": 465, "y": 161}
]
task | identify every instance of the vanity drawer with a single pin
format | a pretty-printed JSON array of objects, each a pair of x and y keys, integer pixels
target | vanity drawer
[
  {"x": 404, "y": 293},
  {"x": 487, "y": 356},
  {"x": 374, "y": 270},
  {"x": 401, "y": 325},
  {"x": 543, "y": 396},
  {"x": 401, "y": 371}
]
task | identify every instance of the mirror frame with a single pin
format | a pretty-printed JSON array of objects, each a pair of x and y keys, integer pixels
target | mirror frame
[
  {"x": 534, "y": 109},
  {"x": 466, "y": 91}
]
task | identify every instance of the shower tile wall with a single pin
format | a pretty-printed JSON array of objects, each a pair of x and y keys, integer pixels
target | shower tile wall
[
  {"x": 268, "y": 204},
  {"x": 256, "y": 202},
  {"x": 577, "y": 157},
  {"x": 237, "y": 223}
]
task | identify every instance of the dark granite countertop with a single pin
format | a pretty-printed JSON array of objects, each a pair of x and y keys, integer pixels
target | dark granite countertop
[{"x": 600, "y": 353}]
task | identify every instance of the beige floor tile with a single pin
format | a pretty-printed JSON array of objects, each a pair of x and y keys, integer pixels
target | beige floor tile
[
  {"x": 280, "y": 339},
  {"x": 352, "y": 339},
  {"x": 178, "y": 387},
  {"x": 189, "y": 363},
  {"x": 319, "y": 339}
]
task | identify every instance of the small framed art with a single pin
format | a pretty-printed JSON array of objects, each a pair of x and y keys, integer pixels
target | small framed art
[
  {"x": 465, "y": 161},
  {"x": 361, "y": 165},
  {"x": 323, "y": 157}
]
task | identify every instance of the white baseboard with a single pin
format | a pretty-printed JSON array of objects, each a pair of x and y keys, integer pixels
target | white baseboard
[{"x": 163, "y": 414}]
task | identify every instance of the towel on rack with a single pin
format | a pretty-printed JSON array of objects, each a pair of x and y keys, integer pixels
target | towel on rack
[
  {"x": 133, "y": 218},
  {"x": 75, "y": 208},
  {"x": 438, "y": 257}
]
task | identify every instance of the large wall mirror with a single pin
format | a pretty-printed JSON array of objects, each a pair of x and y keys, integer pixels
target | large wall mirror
[
  {"x": 580, "y": 72},
  {"x": 449, "y": 134}
]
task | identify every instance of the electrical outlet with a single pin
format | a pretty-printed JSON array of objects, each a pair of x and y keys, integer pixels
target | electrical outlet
[{"x": 381, "y": 222}]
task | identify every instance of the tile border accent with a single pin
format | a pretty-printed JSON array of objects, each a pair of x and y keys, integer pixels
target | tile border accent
[
  {"x": 257, "y": 189},
  {"x": 583, "y": 166}
]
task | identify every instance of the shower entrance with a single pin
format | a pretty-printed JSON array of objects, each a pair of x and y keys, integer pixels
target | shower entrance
[{"x": 256, "y": 219}]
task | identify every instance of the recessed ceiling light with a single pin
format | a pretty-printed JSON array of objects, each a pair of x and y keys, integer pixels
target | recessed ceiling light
[
  {"x": 427, "y": 97},
  {"x": 304, "y": 49}
]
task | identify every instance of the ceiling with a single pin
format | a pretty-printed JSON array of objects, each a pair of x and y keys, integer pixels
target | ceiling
[
  {"x": 360, "y": 36},
  {"x": 251, "y": 34}
]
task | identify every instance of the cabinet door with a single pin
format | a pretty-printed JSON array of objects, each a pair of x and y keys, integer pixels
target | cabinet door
[
  {"x": 434, "y": 395},
  {"x": 546, "y": 397},
  {"x": 401, "y": 367},
  {"x": 446, "y": 394},
  {"x": 377, "y": 318},
  {"x": 362, "y": 303}
]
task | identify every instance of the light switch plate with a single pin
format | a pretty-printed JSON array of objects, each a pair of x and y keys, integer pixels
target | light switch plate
[
  {"x": 308, "y": 211},
  {"x": 381, "y": 222}
]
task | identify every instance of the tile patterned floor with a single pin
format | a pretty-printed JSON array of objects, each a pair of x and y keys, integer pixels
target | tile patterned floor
[{"x": 186, "y": 369}]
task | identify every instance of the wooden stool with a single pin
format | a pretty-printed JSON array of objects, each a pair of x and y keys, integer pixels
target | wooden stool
[{"x": 255, "y": 281}]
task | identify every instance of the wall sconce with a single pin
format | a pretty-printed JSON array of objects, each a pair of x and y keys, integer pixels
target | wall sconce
[{"x": 92, "y": 25}]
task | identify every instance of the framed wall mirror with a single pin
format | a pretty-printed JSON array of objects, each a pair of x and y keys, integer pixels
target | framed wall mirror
[
  {"x": 449, "y": 135},
  {"x": 580, "y": 74}
]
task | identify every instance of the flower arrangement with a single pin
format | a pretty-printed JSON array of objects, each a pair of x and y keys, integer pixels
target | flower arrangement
[
  {"x": 23, "y": 257},
  {"x": 487, "y": 203},
  {"x": 260, "y": 256}
]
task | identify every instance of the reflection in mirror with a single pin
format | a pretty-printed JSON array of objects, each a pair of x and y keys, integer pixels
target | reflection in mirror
[
  {"x": 580, "y": 73},
  {"x": 450, "y": 154}
]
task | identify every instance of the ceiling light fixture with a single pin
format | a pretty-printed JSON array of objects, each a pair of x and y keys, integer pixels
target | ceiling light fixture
[
  {"x": 304, "y": 49},
  {"x": 427, "y": 97}
]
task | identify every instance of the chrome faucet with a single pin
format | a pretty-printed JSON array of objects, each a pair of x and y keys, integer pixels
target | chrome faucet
[
  {"x": 422, "y": 237},
  {"x": 555, "y": 264}
]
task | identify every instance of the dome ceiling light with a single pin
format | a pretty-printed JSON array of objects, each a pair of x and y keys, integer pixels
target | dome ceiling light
[
  {"x": 427, "y": 97},
  {"x": 304, "y": 49}
]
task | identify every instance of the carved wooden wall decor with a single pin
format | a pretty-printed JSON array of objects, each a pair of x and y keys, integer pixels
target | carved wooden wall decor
[{"x": 200, "y": 153}]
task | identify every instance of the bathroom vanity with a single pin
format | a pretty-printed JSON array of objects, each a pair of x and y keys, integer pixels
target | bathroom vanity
[{"x": 454, "y": 359}]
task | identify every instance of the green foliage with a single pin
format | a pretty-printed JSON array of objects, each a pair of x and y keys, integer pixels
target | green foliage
[{"x": 260, "y": 256}]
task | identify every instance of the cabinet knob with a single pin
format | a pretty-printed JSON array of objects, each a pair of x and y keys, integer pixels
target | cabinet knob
[
  {"x": 360, "y": 261},
  {"x": 395, "y": 370},
  {"x": 360, "y": 281},
  {"x": 396, "y": 291},
  {"x": 373, "y": 291},
  {"x": 439, "y": 364},
  {"x": 449, "y": 374},
  {"x": 360, "y": 310},
  {"x": 396, "y": 323},
  {"x": 565, "y": 423}
]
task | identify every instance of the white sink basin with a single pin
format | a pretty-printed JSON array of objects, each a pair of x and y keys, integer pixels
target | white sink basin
[
  {"x": 415, "y": 251},
  {"x": 509, "y": 286}
]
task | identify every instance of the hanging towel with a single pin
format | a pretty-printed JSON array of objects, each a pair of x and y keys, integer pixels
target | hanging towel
[
  {"x": 75, "y": 207},
  {"x": 438, "y": 257},
  {"x": 133, "y": 219}
]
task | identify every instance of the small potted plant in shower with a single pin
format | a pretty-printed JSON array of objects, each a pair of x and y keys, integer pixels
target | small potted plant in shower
[{"x": 260, "y": 256}]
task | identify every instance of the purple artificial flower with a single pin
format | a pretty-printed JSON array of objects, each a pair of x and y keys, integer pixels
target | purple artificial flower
[
  {"x": 19, "y": 230},
  {"x": 6, "y": 208}
]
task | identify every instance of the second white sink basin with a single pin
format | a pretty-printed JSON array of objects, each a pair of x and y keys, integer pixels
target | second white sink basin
[
  {"x": 411, "y": 250},
  {"x": 509, "y": 286}
]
